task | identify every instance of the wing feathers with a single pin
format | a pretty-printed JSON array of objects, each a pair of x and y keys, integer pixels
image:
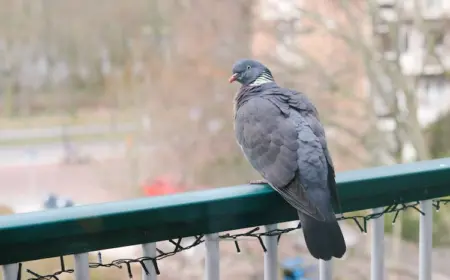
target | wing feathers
[{"x": 270, "y": 142}]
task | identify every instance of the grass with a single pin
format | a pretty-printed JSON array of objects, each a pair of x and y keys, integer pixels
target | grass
[
  {"x": 75, "y": 138},
  {"x": 82, "y": 118}
]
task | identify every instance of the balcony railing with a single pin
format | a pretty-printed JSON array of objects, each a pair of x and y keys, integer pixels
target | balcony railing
[{"x": 204, "y": 214}]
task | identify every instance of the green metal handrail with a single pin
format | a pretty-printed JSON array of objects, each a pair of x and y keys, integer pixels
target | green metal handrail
[{"x": 66, "y": 231}]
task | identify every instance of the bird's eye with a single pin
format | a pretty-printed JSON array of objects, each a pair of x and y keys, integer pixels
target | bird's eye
[{"x": 248, "y": 67}]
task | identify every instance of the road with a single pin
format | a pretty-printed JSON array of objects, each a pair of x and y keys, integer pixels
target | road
[{"x": 27, "y": 175}]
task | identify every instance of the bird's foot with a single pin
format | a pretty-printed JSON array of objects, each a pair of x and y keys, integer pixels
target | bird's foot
[{"x": 258, "y": 182}]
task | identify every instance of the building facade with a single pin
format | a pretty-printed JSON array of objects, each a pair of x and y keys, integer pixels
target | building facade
[{"x": 422, "y": 47}]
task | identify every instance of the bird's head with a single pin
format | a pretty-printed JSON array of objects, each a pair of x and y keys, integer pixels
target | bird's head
[{"x": 248, "y": 72}]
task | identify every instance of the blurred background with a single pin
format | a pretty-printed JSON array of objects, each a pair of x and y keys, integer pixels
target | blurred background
[{"x": 110, "y": 100}]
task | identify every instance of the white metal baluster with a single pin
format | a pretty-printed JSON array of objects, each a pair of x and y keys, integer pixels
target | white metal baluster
[
  {"x": 82, "y": 266},
  {"x": 425, "y": 240},
  {"x": 325, "y": 270},
  {"x": 10, "y": 271},
  {"x": 149, "y": 250},
  {"x": 271, "y": 256},
  {"x": 212, "y": 258},
  {"x": 377, "y": 247}
]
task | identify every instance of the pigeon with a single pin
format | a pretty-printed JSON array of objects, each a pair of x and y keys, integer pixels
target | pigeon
[{"x": 280, "y": 134}]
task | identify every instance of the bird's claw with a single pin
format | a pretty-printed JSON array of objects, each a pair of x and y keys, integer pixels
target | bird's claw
[{"x": 258, "y": 182}]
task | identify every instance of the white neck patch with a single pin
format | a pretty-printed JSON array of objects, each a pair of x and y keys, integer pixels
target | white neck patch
[{"x": 262, "y": 79}]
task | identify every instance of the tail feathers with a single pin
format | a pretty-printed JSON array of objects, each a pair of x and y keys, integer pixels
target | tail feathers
[{"x": 323, "y": 239}]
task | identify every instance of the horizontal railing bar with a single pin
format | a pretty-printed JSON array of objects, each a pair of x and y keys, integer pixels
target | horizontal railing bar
[{"x": 79, "y": 229}]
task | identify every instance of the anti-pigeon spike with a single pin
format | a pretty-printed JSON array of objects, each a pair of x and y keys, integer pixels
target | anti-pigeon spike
[
  {"x": 155, "y": 266},
  {"x": 144, "y": 267},
  {"x": 236, "y": 244},
  {"x": 130, "y": 274},
  {"x": 262, "y": 244}
]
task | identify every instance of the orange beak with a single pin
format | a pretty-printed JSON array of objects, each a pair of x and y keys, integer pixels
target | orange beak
[{"x": 233, "y": 78}]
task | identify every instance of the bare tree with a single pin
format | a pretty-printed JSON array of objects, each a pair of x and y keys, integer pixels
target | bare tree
[
  {"x": 351, "y": 55},
  {"x": 188, "y": 94}
]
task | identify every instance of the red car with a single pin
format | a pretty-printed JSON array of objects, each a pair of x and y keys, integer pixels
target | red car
[{"x": 160, "y": 186}]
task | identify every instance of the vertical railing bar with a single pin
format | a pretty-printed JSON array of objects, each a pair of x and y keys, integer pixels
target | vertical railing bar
[
  {"x": 10, "y": 271},
  {"x": 82, "y": 266},
  {"x": 326, "y": 267},
  {"x": 149, "y": 250},
  {"x": 212, "y": 258},
  {"x": 377, "y": 246},
  {"x": 271, "y": 256},
  {"x": 325, "y": 270},
  {"x": 425, "y": 240}
]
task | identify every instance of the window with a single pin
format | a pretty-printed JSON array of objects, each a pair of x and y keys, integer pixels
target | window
[
  {"x": 433, "y": 87},
  {"x": 433, "y": 4},
  {"x": 386, "y": 43},
  {"x": 436, "y": 38},
  {"x": 279, "y": 9},
  {"x": 404, "y": 37}
]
